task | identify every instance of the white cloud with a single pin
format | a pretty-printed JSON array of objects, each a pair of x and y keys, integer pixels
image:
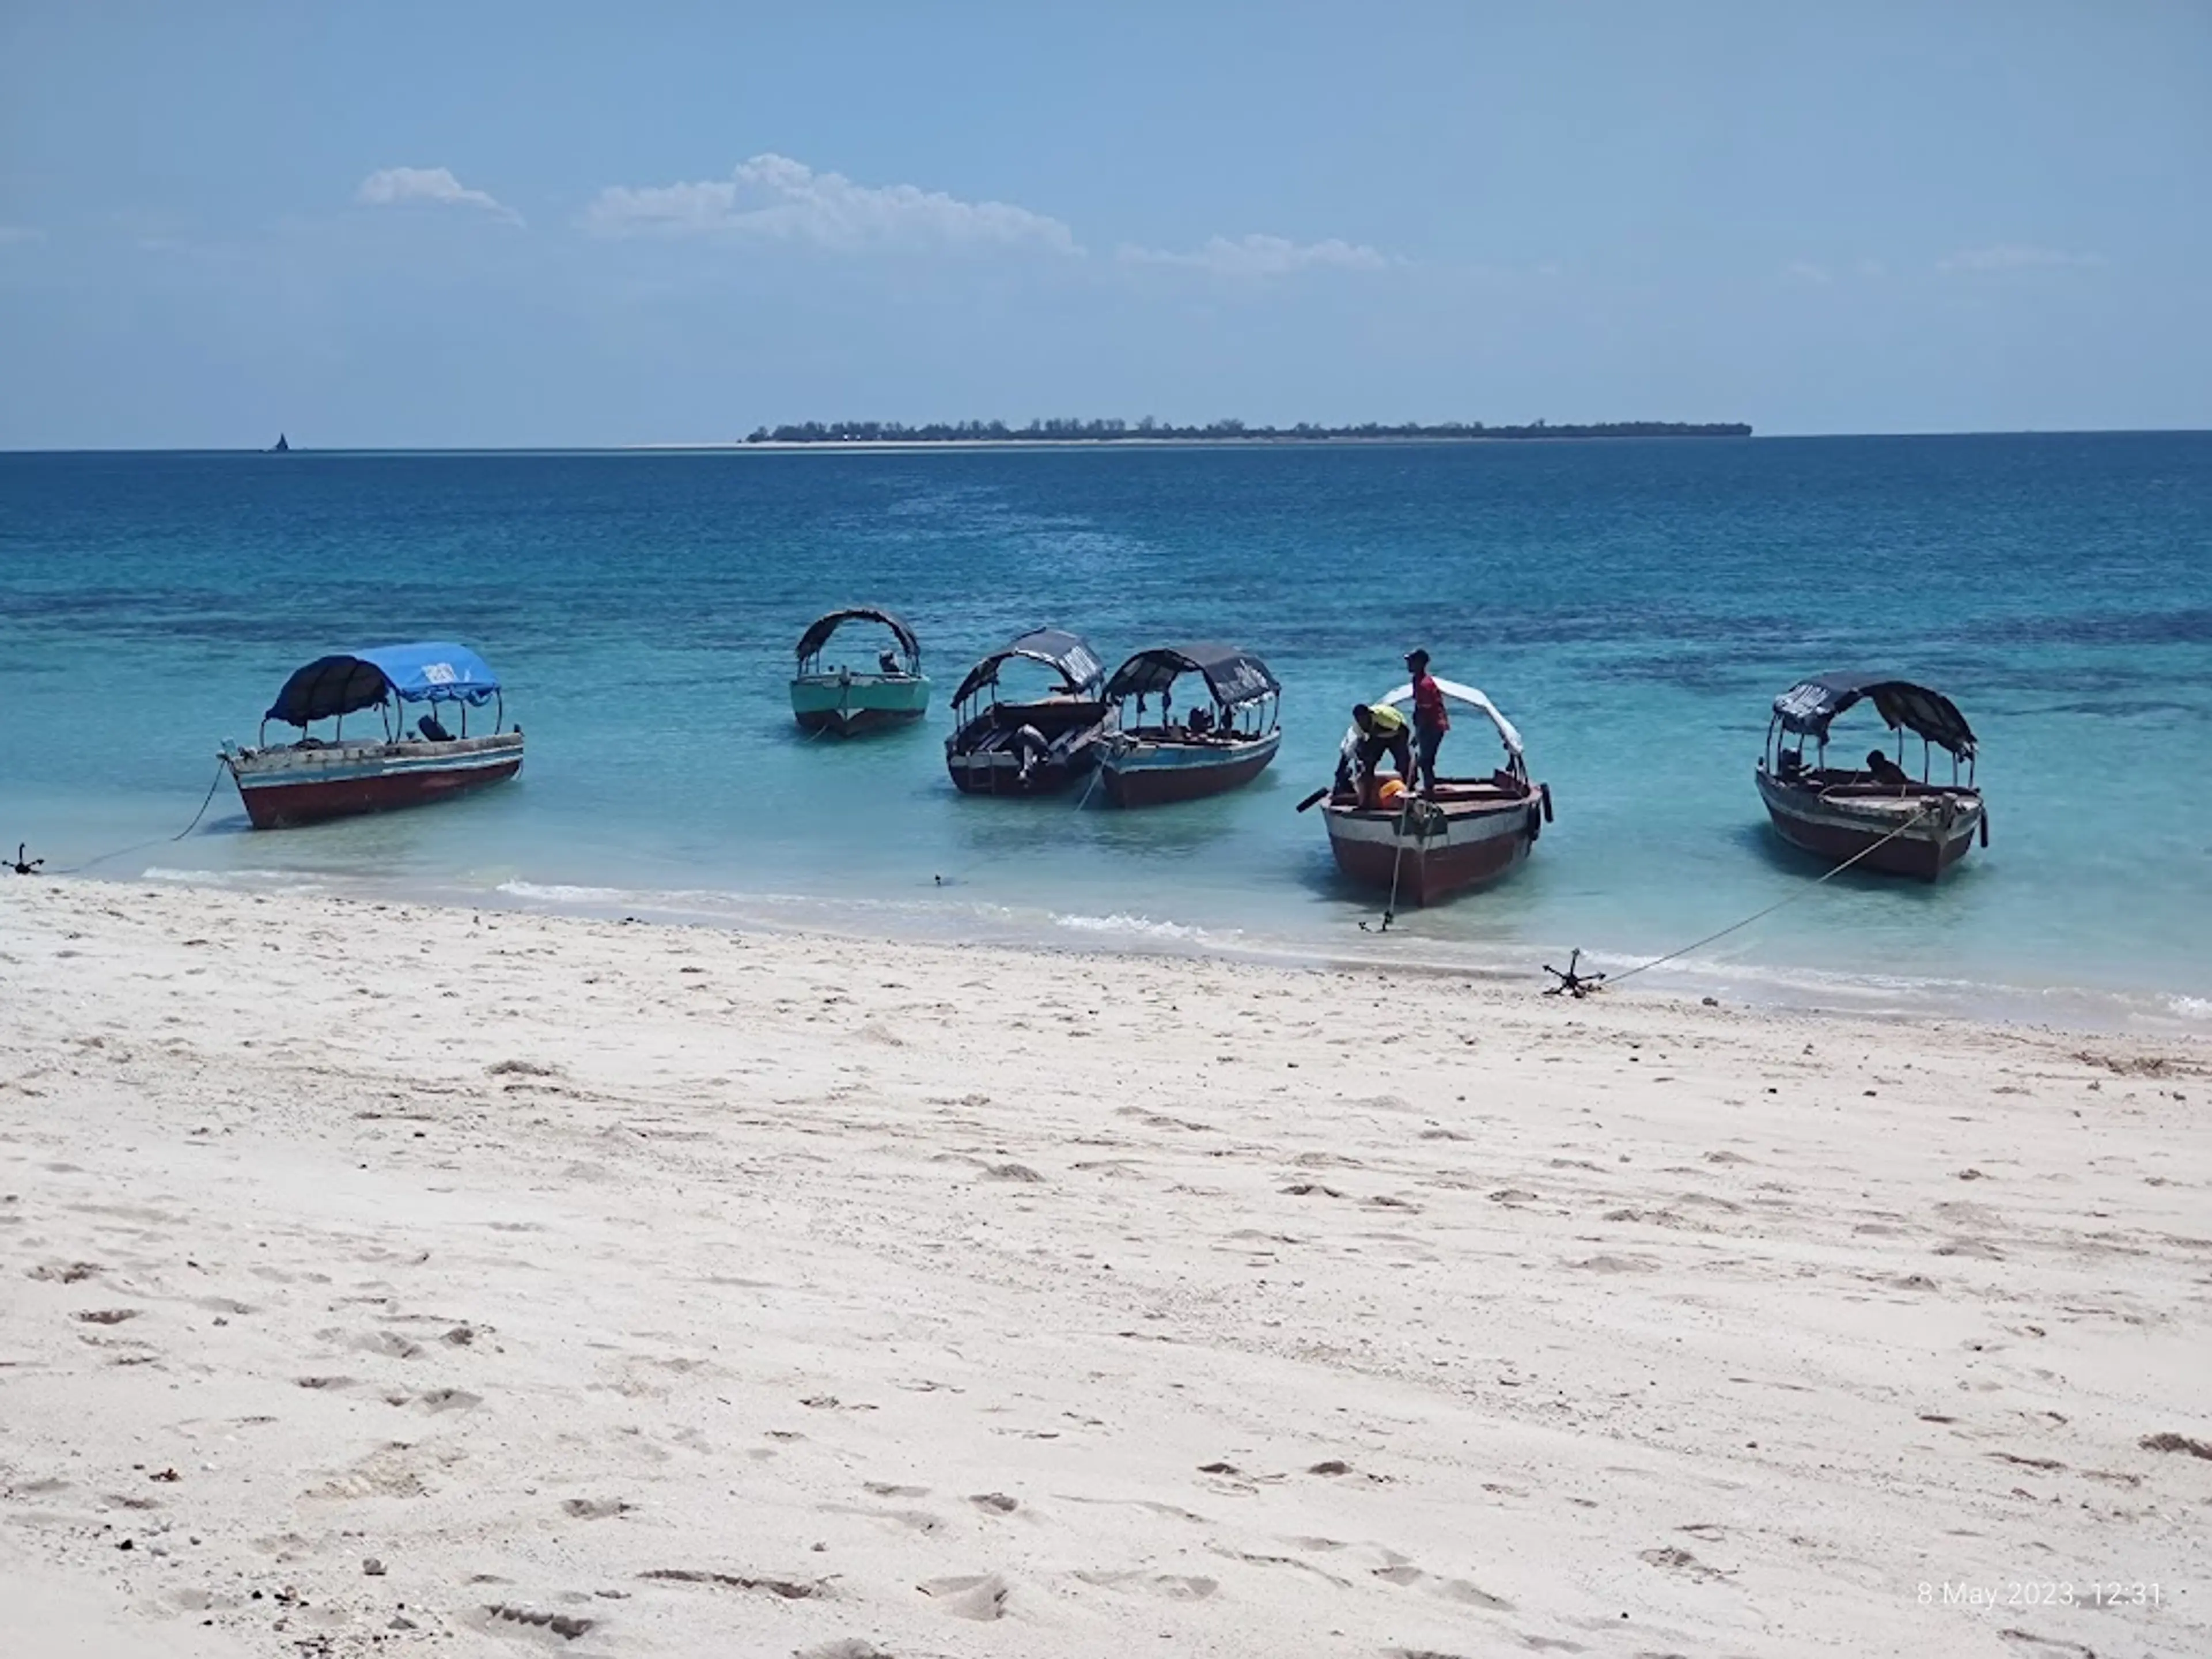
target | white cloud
[
  {"x": 1262, "y": 256},
  {"x": 774, "y": 197},
  {"x": 10, "y": 234},
  {"x": 2009, "y": 256},
  {"x": 392, "y": 186},
  {"x": 1811, "y": 270}
]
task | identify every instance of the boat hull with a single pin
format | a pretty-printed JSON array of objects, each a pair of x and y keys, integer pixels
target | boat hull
[
  {"x": 285, "y": 788},
  {"x": 996, "y": 772},
  {"x": 1876, "y": 830},
  {"x": 1138, "y": 771},
  {"x": 1431, "y": 852},
  {"x": 1064, "y": 740},
  {"x": 853, "y": 705}
]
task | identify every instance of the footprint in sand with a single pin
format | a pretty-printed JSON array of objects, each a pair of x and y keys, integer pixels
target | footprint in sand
[
  {"x": 1675, "y": 1561},
  {"x": 522, "y": 1068},
  {"x": 1452, "y": 1589},
  {"x": 64, "y": 1272},
  {"x": 790, "y": 1590},
  {"x": 982, "y": 1598},
  {"x": 1604, "y": 1263},
  {"x": 594, "y": 1508},
  {"x": 920, "y": 1520},
  {"x": 566, "y": 1626},
  {"x": 1171, "y": 1587}
]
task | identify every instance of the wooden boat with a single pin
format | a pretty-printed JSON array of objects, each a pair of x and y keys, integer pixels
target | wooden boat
[
  {"x": 312, "y": 779},
  {"x": 1214, "y": 749},
  {"x": 847, "y": 701},
  {"x": 1845, "y": 815},
  {"x": 1466, "y": 833},
  {"x": 1033, "y": 748}
]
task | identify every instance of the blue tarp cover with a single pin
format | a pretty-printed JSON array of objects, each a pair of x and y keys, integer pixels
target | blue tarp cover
[{"x": 433, "y": 671}]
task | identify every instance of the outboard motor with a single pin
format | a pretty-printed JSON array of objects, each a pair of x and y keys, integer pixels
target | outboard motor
[{"x": 1030, "y": 747}]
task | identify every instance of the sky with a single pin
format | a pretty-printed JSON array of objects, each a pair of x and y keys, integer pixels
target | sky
[{"x": 495, "y": 225}]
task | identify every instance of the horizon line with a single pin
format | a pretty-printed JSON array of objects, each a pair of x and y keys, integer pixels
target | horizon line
[{"x": 1283, "y": 439}]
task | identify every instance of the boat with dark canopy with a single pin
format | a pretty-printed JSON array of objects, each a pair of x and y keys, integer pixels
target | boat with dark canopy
[
  {"x": 1878, "y": 816},
  {"x": 1034, "y": 747},
  {"x": 847, "y": 701},
  {"x": 1465, "y": 833},
  {"x": 1222, "y": 743},
  {"x": 312, "y": 778}
]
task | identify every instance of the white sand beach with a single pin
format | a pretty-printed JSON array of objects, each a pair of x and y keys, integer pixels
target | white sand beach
[{"x": 383, "y": 1279}]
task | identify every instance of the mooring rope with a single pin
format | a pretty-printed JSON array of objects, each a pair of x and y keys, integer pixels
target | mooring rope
[
  {"x": 1397, "y": 860},
  {"x": 1805, "y": 891},
  {"x": 214, "y": 784}
]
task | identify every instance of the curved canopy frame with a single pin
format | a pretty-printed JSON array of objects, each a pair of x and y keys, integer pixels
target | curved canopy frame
[
  {"x": 819, "y": 630},
  {"x": 433, "y": 671},
  {"x": 1235, "y": 676},
  {"x": 1068, "y": 654},
  {"x": 1467, "y": 696},
  {"x": 1809, "y": 706}
]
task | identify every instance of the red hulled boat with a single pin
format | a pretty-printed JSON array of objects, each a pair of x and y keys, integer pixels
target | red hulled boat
[
  {"x": 1880, "y": 817},
  {"x": 314, "y": 779},
  {"x": 1465, "y": 833}
]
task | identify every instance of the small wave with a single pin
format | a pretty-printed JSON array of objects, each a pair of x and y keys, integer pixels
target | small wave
[
  {"x": 563, "y": 893},
  {"x": 229, "y": 878},
  {"x": 1872, "y": 992},
  {"x": 1140, "y": 926}
]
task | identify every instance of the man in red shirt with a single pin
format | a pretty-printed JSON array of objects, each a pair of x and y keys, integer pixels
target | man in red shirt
[{"x": 1431, "y": 722}]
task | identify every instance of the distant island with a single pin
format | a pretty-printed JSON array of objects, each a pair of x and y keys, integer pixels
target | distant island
[{"x": 1150, "y": 431}]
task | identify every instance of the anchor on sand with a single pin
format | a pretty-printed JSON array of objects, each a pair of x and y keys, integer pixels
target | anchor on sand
[{"x": 1572, "y": 982}]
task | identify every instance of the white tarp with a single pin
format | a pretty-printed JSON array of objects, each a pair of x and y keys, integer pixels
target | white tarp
[{"x": 1471, "y": 698}]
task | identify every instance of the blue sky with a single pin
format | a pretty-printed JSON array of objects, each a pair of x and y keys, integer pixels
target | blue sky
[{"x": 481, "y": 224}]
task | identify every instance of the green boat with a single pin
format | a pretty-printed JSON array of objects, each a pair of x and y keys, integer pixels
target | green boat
[{"x": 847, "y": 702}]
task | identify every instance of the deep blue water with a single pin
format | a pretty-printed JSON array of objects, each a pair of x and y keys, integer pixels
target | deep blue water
[{"x": 1633, "y": 605}]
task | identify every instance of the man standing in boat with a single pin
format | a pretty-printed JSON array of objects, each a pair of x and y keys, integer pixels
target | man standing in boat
[{"x": 1431, "y": 722}]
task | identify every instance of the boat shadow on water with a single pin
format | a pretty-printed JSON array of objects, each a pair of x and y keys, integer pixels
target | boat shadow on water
[
  {"x": 1761, "y": 840},
  {"x": 404, "y": 842},
  {"x": 1499, "y": 910}
]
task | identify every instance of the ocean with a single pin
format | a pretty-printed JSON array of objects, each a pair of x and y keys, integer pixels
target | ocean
[{"x": 1633, "y": 605}]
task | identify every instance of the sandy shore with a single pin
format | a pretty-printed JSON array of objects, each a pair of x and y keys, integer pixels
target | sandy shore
[{"x": 382, "y": 1278}]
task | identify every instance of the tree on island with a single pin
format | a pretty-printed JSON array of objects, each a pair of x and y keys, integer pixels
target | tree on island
[{"x": 1064, "y": 430}]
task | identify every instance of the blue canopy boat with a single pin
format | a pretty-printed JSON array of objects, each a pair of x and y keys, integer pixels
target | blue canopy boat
[{"x": 312, "y": 778}]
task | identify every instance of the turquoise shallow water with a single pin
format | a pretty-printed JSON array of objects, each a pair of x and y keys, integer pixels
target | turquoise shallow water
[{"x": 1633, "y": 605}]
